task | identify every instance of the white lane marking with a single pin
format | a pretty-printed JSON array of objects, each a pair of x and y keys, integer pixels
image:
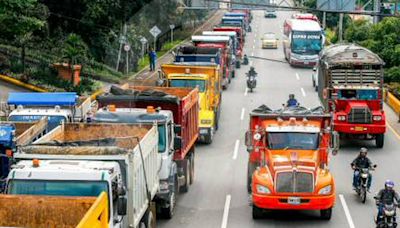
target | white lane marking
[
  {"x": 242, "y": 114},
  {"x": 252, "y": 54},
  {"x": 297, "y": 76},
  {"x": 226, "y": 211},
  {"x": 254, "y": 41},
  {"x": 246, "y": 91},
  {"x": 346, "y": 211},
  {"x": 254, "y": 46},
  {"x": 251, "y": 63},
  {"x": 303, "y": 92},
  {"x": 236, "y": 150},
  {"x": 255, "y": 35}
]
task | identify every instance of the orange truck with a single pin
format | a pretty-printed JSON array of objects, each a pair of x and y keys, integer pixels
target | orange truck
[{"x": 288, "y": 160}]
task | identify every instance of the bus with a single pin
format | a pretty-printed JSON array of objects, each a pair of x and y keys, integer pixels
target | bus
[{"x": 302, "y": 42}]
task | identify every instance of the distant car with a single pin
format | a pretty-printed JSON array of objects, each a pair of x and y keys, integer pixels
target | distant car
[
  {"x": 269, "y": 40},
  {"x": 269, "y": 13}
]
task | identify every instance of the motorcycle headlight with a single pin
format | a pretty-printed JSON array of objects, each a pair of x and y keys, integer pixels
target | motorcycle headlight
[
  {"x": 364, "y": 175},
  {"x": 262, "y": 189},
  {"x": 389, "y": 212},
  {"x": 377, "y": 118},
  {"x": 341, "y": 118},
  {"x": 325, "y": 190}
]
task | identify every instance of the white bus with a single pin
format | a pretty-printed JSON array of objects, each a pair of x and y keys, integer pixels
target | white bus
[{"x": 303, "y": 40}]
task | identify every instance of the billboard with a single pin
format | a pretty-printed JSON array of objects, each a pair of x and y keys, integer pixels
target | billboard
[{"x": 336, "y": 5}]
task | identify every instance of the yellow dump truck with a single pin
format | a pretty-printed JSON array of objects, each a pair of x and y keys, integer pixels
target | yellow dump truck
[
  {"x": 36, "y": 211},
  {"x": 204, "y": 76}
]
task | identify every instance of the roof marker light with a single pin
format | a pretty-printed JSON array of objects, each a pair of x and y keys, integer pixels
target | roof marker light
[{"x": 35, "y": 163}]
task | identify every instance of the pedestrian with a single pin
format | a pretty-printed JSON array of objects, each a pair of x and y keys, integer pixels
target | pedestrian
[{"x": 152, "y": 58}]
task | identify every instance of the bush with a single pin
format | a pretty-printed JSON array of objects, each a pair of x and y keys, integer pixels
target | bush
[{"x": 392, "y": 75}]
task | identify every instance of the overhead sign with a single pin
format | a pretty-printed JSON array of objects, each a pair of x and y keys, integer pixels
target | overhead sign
[
  {"x": 336, "y": 5},
  {"x": 155, "y": 31}
]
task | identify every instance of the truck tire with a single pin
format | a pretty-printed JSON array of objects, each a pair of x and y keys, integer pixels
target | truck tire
[
  {"x": 209, "y": 137},
  {"x": 192, "y": 167},
  {"x": 379, "y": 140},
  {"x": 186, "y": 169},
  {"x": 168, "y": 212},
  {"x": 326, "y": 214},
  {"x": 257, "y": 212}
]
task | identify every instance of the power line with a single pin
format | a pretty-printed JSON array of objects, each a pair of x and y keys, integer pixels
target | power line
[{"x": 303, "y": 8}]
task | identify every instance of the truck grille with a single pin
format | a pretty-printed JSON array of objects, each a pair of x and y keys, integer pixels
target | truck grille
[
  {"x": 298, "y": 182},
  {"x": 360, "y": 115}
]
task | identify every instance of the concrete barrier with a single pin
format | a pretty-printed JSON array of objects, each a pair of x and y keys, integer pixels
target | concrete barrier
[
  {"x": 392, "y": 101},
  {"x": 24, "y": 85}
]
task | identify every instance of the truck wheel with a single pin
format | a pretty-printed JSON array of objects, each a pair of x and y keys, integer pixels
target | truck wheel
[
  {"x": 192, "y": 167},
  {"x": 257, "y": 212},
  {"x": 326, "y": 214},
  {"x": 379, "y": 140},
  {"x": 209, "y": 137},
  {"x": 168, "y": 212},
  {"x": 186, "y": 170}
]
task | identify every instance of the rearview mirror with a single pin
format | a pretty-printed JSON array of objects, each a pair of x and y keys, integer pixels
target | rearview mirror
[
  {"x": 335, "y": 139},
  {"x": 177, "y": 143},
  {"x": 248, "y": 141},
  {"x": 122, "y": 205},
  {"x": 177, "y": 128}
]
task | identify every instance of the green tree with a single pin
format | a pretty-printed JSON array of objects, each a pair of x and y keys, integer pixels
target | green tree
[
  {"x": 19, "y": 20},
  {"x": 357, "y": 31}
]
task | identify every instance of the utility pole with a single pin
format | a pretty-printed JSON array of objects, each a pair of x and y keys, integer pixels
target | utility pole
[
  {"x": 376, "y": 10},
  {"x": 122, "y": 40},
  {"x": 340, "y": 27}
]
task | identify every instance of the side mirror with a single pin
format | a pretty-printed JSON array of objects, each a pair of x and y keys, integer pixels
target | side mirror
[
  {"x": 248, "y": 141},
  {"x": 177, "y": 143},
  {"x": 335, "y": 142},
  {"x": 122, "y": 206},
  {"x": 177, "y": 128},
  {"x": 121, "y": 191}
]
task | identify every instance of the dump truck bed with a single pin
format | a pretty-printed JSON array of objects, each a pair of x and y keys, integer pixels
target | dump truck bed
[
  {"x": 183, "y": 102},
  {"x": 53, "y": 211}
]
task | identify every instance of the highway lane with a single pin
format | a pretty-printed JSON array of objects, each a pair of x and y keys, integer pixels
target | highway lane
[{"x": 219, "y": 198}]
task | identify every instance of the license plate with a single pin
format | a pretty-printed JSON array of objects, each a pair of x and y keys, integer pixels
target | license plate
[
  {"x": 293, "y": 200},
  {"x": 359, "y": 128}
]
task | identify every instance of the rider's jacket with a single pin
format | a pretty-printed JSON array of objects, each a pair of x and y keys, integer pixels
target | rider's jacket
[
  {"x": 386, "y": 196},
  {"x": 362, "y": 162}
]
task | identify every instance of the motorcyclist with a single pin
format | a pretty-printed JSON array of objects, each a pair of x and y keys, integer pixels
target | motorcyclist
[
  {"x": 386, "y": 196},
  {"x": 245, "y": 59},
  {"x": 361, "y": 162},
  {"x": 292, "y": 102},
  {"x": 252, "y": 72}
]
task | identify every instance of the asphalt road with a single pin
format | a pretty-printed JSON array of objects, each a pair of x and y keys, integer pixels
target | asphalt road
[{"x": 218, "y": 198}]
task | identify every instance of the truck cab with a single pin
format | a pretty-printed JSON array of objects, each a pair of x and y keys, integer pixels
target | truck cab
[
  {"x": 288, "y": 161},
  {"x": 205, "y": 77},
  {"x": 69, "y": 178},
  {"x": 57, "y": 107},
  {"x": 351, "y": 86}
]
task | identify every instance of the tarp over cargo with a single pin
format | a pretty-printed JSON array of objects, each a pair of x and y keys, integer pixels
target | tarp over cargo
[{"x": 42, "y": 99}]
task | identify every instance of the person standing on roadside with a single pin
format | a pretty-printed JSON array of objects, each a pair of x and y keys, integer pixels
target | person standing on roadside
[{"x": 153, "y": 58}]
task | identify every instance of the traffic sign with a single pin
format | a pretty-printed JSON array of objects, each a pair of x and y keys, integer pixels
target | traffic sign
[
  {"x": 172, "y": 26},
  {"x": 127, "y": 47},
  {"x": 155, "y": 31},
  {"x": 143, "y": 40}
]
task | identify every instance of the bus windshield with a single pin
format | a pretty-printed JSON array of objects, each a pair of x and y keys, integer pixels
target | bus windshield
[
  {"x": 306, "y": 43},
  {"x": 292, "y": 140},
  {"x": 189, "y": 83},
  {"x": 57, "y": 188}
]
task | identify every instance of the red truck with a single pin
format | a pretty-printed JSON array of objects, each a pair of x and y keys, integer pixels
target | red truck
[
  {"x": 175, "y": 110},
  {"x": 225, "y": 44},
  {"x": 240, "y": 38},
  {"x": 350, "y": 84}
]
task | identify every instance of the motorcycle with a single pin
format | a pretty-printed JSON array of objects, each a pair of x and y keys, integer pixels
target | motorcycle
[
  {"x": 251, "y": 81},
  {"x": 388, "y": 219},
  {"x": 363, "y": 178}
]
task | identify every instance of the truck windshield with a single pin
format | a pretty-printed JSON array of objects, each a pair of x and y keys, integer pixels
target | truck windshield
[
  {"x": 362, "y": 94},
  {"x": 306, "y": 43},
  {"x": 292, "y": 140},
  {"x": 54, "y": 121},
  {"x": 57, "y": 188},
  {"x": 189, "y": 83},
  {"x": 161, "y": 138}
]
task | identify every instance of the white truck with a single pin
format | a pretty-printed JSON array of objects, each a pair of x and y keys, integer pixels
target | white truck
[
  {"x": 78, "y": 159},
  {"x": 58, "y": 107}
]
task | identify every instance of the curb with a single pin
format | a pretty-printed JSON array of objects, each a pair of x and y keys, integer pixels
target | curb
[
  {"x": 19, "y": 83},
  {"x": 96, "y": 93}
]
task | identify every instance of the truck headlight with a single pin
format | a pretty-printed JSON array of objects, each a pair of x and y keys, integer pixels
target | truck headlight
[
  {"x": 262, "y": 189},
  {"x": 341, "y": 118},
  {"x": 325, "y": 190},
  {"x": 206, "y": 121},
  {"x": 377, "y": 118}
]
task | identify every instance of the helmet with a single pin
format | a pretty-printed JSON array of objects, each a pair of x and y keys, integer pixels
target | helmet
[
  {"x": 251, "y": 68},
  {"x": 291, "y": 96},
  {"x": 363, "y": 151},
  {"x": 389, "y": 184}
]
